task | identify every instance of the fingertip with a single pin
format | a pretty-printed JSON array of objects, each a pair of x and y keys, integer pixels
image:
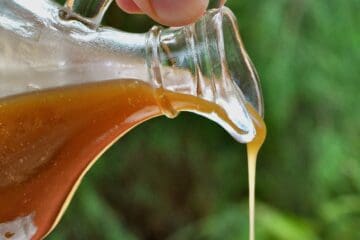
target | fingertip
[
  {"x": 178, "y": 13},
  {"x": 173, "y": 12},
  {"x": 128, "y": 6}
]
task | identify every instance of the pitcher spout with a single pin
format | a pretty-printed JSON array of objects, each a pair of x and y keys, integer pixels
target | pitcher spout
[{"x": 207, "y": 60}]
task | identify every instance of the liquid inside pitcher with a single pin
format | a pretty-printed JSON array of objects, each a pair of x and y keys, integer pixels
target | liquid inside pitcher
[{"x": 69, "y": 89}]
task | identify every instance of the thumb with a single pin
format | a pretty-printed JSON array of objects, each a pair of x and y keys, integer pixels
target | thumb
[{"x": 173, "y": 12}]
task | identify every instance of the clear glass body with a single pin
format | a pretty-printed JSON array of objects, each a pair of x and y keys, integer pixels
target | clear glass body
[
  {"x": 40, "y": 50},
  {"x": 44, "y": 46}
]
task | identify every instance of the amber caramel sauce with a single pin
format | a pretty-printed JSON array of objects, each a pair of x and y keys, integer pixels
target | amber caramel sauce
[{"x": 50, "y": 138}]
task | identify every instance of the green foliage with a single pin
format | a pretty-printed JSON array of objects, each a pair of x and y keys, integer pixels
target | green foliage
[{"x": 186, "y": 178}]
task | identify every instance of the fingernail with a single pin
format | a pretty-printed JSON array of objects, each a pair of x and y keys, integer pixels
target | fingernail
[{"x": 177, "y": 13}]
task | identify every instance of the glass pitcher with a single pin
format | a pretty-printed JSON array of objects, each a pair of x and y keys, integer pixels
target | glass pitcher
[{"x": 69, "y": 88}]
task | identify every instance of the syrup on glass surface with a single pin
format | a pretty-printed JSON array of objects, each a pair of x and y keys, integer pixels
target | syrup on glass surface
[{"x": 50, "y": 138}]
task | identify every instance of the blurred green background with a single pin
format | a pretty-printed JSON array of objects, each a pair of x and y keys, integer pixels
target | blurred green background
[{"x": 186, "y": 178}]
